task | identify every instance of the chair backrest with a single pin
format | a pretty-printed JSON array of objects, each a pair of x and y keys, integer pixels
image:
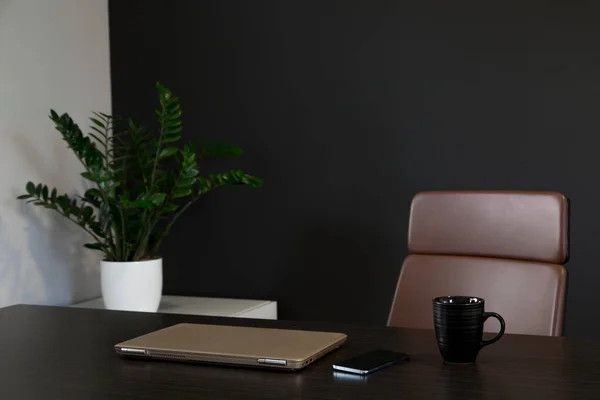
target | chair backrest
[{"x": 506, "y": 247}]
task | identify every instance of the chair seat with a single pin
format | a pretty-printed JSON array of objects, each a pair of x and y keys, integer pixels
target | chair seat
[{"x": 527, "y": 294}]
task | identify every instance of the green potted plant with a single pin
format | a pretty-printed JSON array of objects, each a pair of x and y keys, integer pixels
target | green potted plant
[{"x": 140, "y": 185}]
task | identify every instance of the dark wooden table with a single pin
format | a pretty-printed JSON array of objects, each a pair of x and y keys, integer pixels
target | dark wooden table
[{"x": 67, "y": 353}]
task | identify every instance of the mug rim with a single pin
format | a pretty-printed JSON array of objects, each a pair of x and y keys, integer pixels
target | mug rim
[{"x": 438, "y": 301}]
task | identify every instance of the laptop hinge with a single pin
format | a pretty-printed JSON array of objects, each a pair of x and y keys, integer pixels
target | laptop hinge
[{"x": 271, "y": 361}]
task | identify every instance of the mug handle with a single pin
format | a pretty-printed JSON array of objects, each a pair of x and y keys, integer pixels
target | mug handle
[{"x": 502, "y": 326}]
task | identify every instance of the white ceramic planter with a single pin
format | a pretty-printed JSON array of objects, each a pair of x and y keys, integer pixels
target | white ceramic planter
[{"x": 132, "y": 286}]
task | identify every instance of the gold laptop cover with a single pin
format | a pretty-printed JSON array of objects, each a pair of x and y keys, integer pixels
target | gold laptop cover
[{"x": 236, "y": 345}]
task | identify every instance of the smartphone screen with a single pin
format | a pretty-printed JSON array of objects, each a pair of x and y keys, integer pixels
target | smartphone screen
[{"x": 370, "y": 362}]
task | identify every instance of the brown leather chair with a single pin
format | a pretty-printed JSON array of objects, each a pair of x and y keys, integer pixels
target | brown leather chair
[{"x": 506, "y": 247}]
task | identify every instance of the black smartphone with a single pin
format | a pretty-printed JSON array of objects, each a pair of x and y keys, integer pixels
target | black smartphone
[{"x": 370, "y": 362}]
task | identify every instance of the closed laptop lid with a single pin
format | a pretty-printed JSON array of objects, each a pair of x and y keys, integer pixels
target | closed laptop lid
[{"x": 236, "y": 341}]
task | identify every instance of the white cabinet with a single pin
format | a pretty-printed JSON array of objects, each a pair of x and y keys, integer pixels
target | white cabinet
[{"x": 262, "y": 309}]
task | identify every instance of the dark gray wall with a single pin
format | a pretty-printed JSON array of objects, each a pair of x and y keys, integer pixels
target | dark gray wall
[{"x": 348, "y": 108}]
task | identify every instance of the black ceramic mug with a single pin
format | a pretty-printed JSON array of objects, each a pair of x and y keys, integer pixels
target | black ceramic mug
[{"x": 458, "y": 322}]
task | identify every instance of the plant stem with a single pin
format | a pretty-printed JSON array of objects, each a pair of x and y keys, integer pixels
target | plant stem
[
  {"x": 108, "y": 232},
  {"x": 123, "y": 236},
  {"x": 158, "y": 146},
  {"x": 106, "y": 132},
  {"x": 165, "y": 232},
  {"x": 177, "y": 215},
  {"x": 144, "y": 239},
  {"x": 137, "y": 141}
]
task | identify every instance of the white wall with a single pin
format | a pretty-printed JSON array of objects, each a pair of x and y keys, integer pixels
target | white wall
[{"x": 53, "y": 54}]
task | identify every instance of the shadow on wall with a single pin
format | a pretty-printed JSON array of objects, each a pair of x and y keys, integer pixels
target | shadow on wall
[
  {"x": 61, "y": 262},
  {"x": 41, "y": 274},
  {"x": 42, "y": 259},
  {"x": 11, "y": 260}
]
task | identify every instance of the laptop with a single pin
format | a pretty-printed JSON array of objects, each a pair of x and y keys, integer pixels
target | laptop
[{"x": 234, "y": 345}]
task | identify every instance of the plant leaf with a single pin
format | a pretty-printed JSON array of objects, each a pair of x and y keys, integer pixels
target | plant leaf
[
  {"x": 170, "y": 207},
  {"x": 96, "y": 178},
  {"x": 96, "y": 138},
  {"x": 173, "y": 130},
  {"x": 173, "y": 124},
  {"x": 89, "y": 176},
  {"x": 174, "y": 113},
  {"x": 105, "y": 116},
  {"x": 94, "y": 246},
  {"x": 93, "y": 192},
  {"x": 30, "y": 187},
  {"x": 187, "y": 181},
  {"x": 157, "y": 198},
  {"x": 87, "y": 213},
  {"x": 167, "y": 151},
  {"x": 171, "y": 138},
  {"x": 177, "y": 193},
  {"x": 97, "y": 122}
]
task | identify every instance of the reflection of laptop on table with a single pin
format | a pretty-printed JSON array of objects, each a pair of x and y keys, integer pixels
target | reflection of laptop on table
[{"x": 234, "y": 345}]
